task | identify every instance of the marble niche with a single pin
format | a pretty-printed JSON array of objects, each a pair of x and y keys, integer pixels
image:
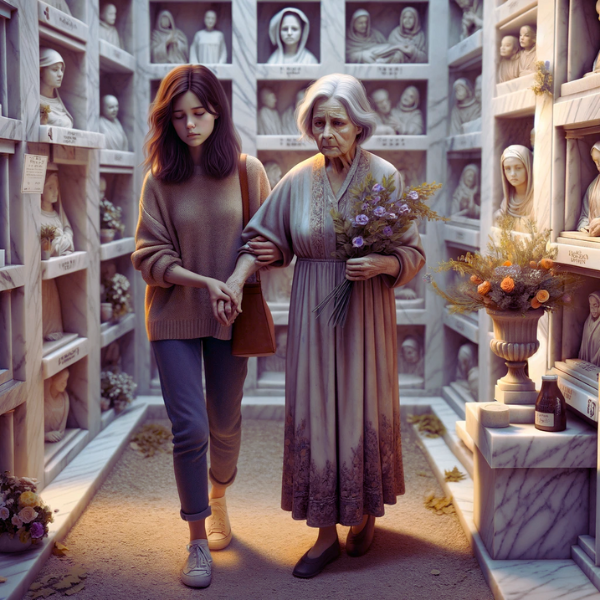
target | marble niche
[
  {"x": 464, "y": 188},
  {"x": 411, "y": 357},
  {"x": 465, "y": 112},
  {"x": 517, "y": 57},
  {"x": 277, "y": 103}
]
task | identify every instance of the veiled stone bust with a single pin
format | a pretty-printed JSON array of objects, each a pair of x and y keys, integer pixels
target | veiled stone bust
[
  {"x": 466, "y": 106},
  {"x": 288, "y": 32},
  {"x": 596, "y": 63},
  {"x": 590, "y": 339},
  {"x": 168, "y": 44},
  {"x": 410, "y": 358},
  {"x": 52, "y": 70},
  {"x": 589, "y": 216},
  {"x": 528, "y": 53},
  {"x": 466, "y": 196}
]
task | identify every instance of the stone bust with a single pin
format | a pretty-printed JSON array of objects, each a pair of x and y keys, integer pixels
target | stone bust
[
  {"x": 56, "y": 406},
  {"x": 508, "y": 66},
  {"x": 168, "y": 44},
  {"x": 467, "y": 370},
  {"x": 466, "y": 197},
  {"x": 528, "y": 53},
  {"x": 269, "y": 121},
  {"x": 288, "y": 32},
  {"x": 364, "y": 43},
  {"x": 387, "y": 123},
  {"x": 208, "y": 46},
  {"x": 472, "y": 19},
  {"x": 590, "y": 339},
  {"x": 589, "y": 217},
  {"x": 466, "y": 106},
  {"x": 411, "y": 357},
  {"x": 274, "y": 173},
  {"x": 52, "y": 71},
  {"x": 110, "y": 126},
  {"x": 107, "y": 30}
]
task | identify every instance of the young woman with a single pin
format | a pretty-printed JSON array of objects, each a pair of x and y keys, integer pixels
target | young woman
[{"x": 187, "y": 238}]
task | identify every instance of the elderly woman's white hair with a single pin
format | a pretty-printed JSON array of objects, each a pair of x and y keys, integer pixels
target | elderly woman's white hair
[{"x": 350, "y": 92}]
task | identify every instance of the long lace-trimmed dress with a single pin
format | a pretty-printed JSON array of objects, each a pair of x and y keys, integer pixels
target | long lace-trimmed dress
[{"x": 342, "y": 456}]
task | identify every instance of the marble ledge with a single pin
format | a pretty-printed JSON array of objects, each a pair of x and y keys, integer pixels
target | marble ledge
[
  {"x": 580, "y": 111},
  {"x": 512, "y": 9},
  {"x": 515, "y": 85},
  {"x": 466, "y": 51},
  {"x": 64, "y": 357},
  {"x": 12, "y": 277},
  {"x": 117, "y": 248},
  {"x": 11, "y": 129},
  {"x": 461, "y": 324},
  {"x": 464, "y": 142},
  {"x": 159, "y": 70},
  {"x": 288, "y": 72},
  {"x": 7, "y": 146},
  {"x": 581, "y": 86},
  {"x": 58, "y": 455},
  {"x": 62, "y": 265},
  {"x": 115, "y": 60},
  {"x": 12, "y": 394},
  {"x": 515, "y": 104},
  {"x": 398, "y": 142},
  {"x": 405, "y": 315},
  {"x": 284, "y": 142},
  {"x": 55, "y": 36},
  {"x": 578, "y": 253},
  {"x": 525, "y": 447},
  {"x": 117, "y": 158},
  {"x": 461, "y": 237},
  {"x": 62, "y": 22},
  {"x": 114, "y": 332},
  {"x": 375, "y": 72},
  {"x": 580, "y": 397},
  {"x": 49, "y": 134}
]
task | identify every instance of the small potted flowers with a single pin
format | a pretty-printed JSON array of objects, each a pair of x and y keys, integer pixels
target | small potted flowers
[
  {"x": 117, "y": 390},
  {"x": 110, "y": 220},
  {"x": 47, "y": 235},
  {"x": 44, "y": 112},
  {"x": 24, "y": 518}
]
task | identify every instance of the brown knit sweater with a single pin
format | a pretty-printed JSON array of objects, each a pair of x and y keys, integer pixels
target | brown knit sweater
[{"x": 197, "y": 225}]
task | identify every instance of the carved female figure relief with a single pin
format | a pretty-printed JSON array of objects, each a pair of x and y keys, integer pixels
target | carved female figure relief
[
  {"x": 472, "y": 19},
  {"x": 269, "y": 121},
  {"x": 168, "y": 44},
  {"x": 52, "y": 70},
  {"x": 590, "y": 339},
  {"x": 410, "y": 359},
  {"x": 209, "y": 46},
  {"x": 56, "y": 406},
  {"x": 466, "y": 196},
  {"x": 288, "y": 119},
  {"x": 508, "y": 65},
  {"x": 407, "y": 113},
  {"x": 589, "y": 217},
  {"x": 110, "y": 126},
  {"x": 467, "y": 369},
  {"x": 364, "y": 44},
  {"x": 107, "y": 30},
  {"x": 466, "y": 106},
  {"x": 528, "y": 53},
  {"x": 517, "y": 184},
  {"x": 288, "y": 31},
  {"x": 407, "y": 41}
]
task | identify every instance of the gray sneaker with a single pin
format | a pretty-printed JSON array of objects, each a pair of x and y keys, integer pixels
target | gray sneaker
[{"x": 197, "y": 568}]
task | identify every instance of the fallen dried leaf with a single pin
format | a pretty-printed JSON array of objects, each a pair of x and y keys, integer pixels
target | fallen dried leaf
[
  {"x": 423, "y": 474},
  {"x": 2, "y": 579},
  {"x": 59, "y": 549},
  {"x": 78, "y": 572},
  {"x": 65, "y": 583},
  {"x": 36, "y": 586},
  {"x": 429, "y": 425},
  {"x": 43, "y": 593},
  {"x": 435, "y": 572},
  {"x": 440, "y": 506},
  {"x": 151, "y": 439},
  {"x": 75, "y": 590},
  {"x": 454, "y": 475},
  {"x": 47, "y": 579}
]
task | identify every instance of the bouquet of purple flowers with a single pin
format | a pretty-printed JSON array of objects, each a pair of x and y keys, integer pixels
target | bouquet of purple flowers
[{"x": 377, "y": 223}]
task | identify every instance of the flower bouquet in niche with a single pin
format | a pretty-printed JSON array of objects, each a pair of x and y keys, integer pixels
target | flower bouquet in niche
[
  {"x": 377, "y": 222},
  {"x": 116, "y": 292},
  {"x": 117, "y": 390},
  {"x": 24, "y": 517}
]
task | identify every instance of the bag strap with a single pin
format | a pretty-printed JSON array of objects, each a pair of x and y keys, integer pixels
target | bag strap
[{"x": 243, "y": 171}]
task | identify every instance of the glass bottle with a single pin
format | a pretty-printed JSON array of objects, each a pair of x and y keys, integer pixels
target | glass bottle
[{"x": 550, "y": 406}]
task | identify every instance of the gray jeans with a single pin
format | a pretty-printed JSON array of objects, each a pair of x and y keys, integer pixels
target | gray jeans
[{"x": 194, "y": 421}]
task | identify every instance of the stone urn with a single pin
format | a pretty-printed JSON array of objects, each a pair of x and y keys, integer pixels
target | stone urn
[
  {"x": 106, "y": 312},
  {"x": 515, "y": 341},
  {"x": 107, "y": 235},
  {"x": 8, "y": 544}
]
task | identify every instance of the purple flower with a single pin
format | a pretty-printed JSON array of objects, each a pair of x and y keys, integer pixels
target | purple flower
[
  {"x": 361, "y": 219},
  {"x": 358, "y": 242},
  {"x": 37, "y": 531},
  {"x": 379, "y": 211},
  {"x": 387, "y": 231},
  {"x": 392, "y": 216},
  {"x": 413, "y": 195},
  {"x": 403, "y": 208},
  {"x": 377, "y": 188},
  {"x": 375, "y": 199},
  {"x": 365, "y": 206}
]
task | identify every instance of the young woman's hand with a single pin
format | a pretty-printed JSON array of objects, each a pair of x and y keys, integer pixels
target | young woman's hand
[
  {"x": 222, "y": 300},
  {"x": 366, "y": 267},
  {"x": 265, "y": 251},
  {"x": 237, "y": 288}
]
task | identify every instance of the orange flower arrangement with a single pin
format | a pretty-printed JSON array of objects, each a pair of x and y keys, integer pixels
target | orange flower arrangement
[
  {"x": 484, "y": 288},
  {"x": 546, "y": 263},
  {"x": 508, "y": 284},
  {"x": 507, "y": 263},
  {"x": 535, "y": 303},
  {"x": 542, "y": 296},
  {"x": 476, "y": 280}
]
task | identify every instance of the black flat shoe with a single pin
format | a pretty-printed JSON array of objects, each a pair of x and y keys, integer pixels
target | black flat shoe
[
  {"x": 357, "y": 544},
  {"x": 309, "y": 567}
]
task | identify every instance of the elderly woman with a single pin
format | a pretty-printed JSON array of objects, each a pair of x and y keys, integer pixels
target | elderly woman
[{"x": 342, "y": 454}]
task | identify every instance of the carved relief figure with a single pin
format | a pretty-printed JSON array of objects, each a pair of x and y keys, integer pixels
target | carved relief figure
[
  {"x": 108, "y": 31},
  {"x": 168, "y": 44},
  {"x": 410, "y": 360},
  {"x": 590, "y": 340},
  {"x": 387, "y": 124},
  {"x": 364, "y": 44},
  {"x": 269, "y": 121},
  {"x": 407, "y": 113},
  {"x": 110, "y": 126},
  {"x": 467, "y": 370},
  {"x": 466, "y": 197},
  {"x": 52, "y": 70},
  {"x": 589, "y": 217},
  {"x": 472, "y": 19},
  {"x": 56, "y": 406},
  {"x": 408, "y": 41},
  {"x": 517, "y": 183},
  {"x": 288, "y": 30},
  {"x": 478, "y": 89},
  {"x": 466, "y": 107},
  {"x": 288, "y": 119},
  {"x": 528, "y": 53},
  {"x": 596, "y": 65},
  {"x": 274, "y": 172},
  {"x": 209, "y": 46},
  {"x": 508, "y": 66}
]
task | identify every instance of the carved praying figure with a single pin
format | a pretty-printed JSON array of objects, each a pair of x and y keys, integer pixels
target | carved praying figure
[
  {"x": 508, "y": 66},
  {"x": 288, "y": 30},
  {"x": 589, "y": 217},
  {"x": 108, "y": 31},
  {"x": 596, "y": 65},
  {"x": 528, "y": 53},
  {"x": 517, "y": 183},
  {"x": 168, "y": 44},
  {"x": 52, "y": 70},
  {"x": 590, "y": 340},
  {"x": 56, "y": 406},
  {"x": 466, "y": 197},
  {"x": 269, "y": 121},
  {"x": 209, "y": 46},
  {"x": 467, "y": 369},
  {"x": 111, "y": 127},
  {"x": 407, "y": 41},
  {"x": 364, "y": 44},
  {"x": 472, "y": 19},
  {"x": 466, "y": 106},
  {"x": 410, "y": 359}
]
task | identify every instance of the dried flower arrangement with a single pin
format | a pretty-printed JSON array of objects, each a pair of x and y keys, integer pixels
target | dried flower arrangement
[
  {"x": 47, "y": 233},
  {"x": 44, "y": 112},
  {"x": 110, "y": 216},
  {"x": 543, "y": 79},
  {"x": 517, "y": 274},
  {"x": 116, "y": 291},
  {"x": 118, "y": 388},
  {"x": 22, "y": 511}
]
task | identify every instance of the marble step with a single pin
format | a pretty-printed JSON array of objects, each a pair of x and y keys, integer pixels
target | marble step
[
  {"x": 588, "y": 544},
  {"x": 456, "y": 402},
  {"x": 586, "y": 564}
]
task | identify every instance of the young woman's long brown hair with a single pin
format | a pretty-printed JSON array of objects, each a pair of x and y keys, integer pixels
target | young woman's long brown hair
[{"x": 166, "y": 155}]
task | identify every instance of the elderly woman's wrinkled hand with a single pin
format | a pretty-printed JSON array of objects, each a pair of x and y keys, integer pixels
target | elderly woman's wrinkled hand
[
  {"x": 361, "y": 269},
  {"x": 266, "y": 252}
]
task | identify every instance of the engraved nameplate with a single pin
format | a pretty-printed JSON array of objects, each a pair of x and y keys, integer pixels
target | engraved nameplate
[
  {"x": 461, "y": 235},
  {"x": 57, "y": 19},
  {"x": 464, "y": 141},
  {"x": 50, "y": 134},
  {"x": 64, "y": 357},
  {"x": 61, "y": 265},
  {"x": 117, "y": 158},
  {"x": 580, "y": 256},
  {"x": 577, "y": 397}
]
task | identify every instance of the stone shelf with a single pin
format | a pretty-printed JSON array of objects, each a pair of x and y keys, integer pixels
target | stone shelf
[
  {"x": 377, "y": 142},
  {"x": 288, "y": 72},
  {"x": 579, "y": 254},
  {"x": 117, "y": 248},
  {"x": 70, "y": 137},
  {"x": 63, "y": 24},
  {"x": 61, "y": 265},
  {"x": 12, "y": 277},
  {"x": 159, "y": 70},
  {"x": 284, "y": 142},
  {"x": 512, "y": 9},
  {"x": 64, "y": 357},
  {"x": 581, "y": 111},
  {"x": 464, "y": 142},
  {"x": 12, "y": 394},
  {"x": 124, "y": 162},
  {"x": 516, "y": 104},
  {"x": 590, "y": 84},
  {"x": 580, "y": 396},
  {"x": 11, "y": 131},
  {"x": 463, "y": 325},
  {"x": 458, "y": 235},
  {"x": 114, "y": 332},
  {"x": 467, "y": 51},
  {"x": 115, "y": 60},
  {"x": 377, "y": 72},
  {"x": 411, "y": 316},
  {"x": 59, "y": 454}
]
